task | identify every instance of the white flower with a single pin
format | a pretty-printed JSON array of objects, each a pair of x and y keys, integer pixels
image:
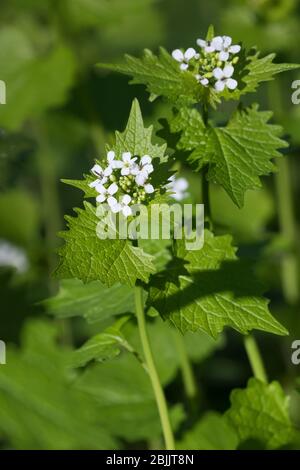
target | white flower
[
  {"x": 178, "y": 188},
  {"x": 10, "y": 255},
  {"x": 224, "y": 79},
  {"x": 149, "y": 188},
  {"x": 104, "y": 193},
  {"x": 223, "y": 45},
  {"x": 185, "y": 57},
  {"x": 206, "y": 45},
  {"x": 142, "y": 170},
  {"x": 112, "y": 163},
  {"x": 101, "y": 177},
  {"x": 127, "y": 163},
  {"x": 122, "y": 206},
  {"x": 204, "y": 81}
]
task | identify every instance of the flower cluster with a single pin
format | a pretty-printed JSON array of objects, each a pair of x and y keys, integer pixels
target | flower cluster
[
  {"x": 213, "y": 64},
  {"x": 124, "y": 182}
]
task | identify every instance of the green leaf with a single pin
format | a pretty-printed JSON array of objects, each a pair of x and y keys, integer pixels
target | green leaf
[
  {"x": 212, "y": 432},
  {"x": 210, "y": 289},
  {"x": 136, "y": 138},
  {"x": 261, "y": 412},
  {"x": 36, "y": 85},
  {"x": 94, "y": 301},
  {"x": 256, "y": 70},
  {"x": 89, "y": 258},
  {"x": 161, "y": 75},
  {"x": 242, "y": 151},
  {"x": 104, "y": 346},
  {"x": 238, "y": 154},
  {"x": 124, "y": 400},
  {"x": 39, "y": 407}
]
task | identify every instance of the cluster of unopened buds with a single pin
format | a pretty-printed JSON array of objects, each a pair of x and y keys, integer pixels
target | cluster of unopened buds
[
  {"x": 214, "y": 63},
  {"x": 123, "y": 183}
]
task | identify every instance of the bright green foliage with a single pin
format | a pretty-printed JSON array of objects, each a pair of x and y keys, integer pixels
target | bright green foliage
[
  {"x": 104, "y": 346},
  {"x": 238, "y": 154},
  {"x": 88, "y": 258},
  {"x": 136, "y": 138},
  {"x": 261, "y": 412},
  {"x": 212, "y": 432},
  {"x": 39, "y": 409},
  {"x": 94, "y": 301},
  {"x": 163, "y": 77},
  {"x": 256, "y": 70},
  {"x": 210, "y": 289}
]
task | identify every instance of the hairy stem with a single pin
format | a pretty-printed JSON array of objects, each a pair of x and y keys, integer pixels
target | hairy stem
[
  {"x": 157, "y": 388},
  {"x": 255, "y": 358}
]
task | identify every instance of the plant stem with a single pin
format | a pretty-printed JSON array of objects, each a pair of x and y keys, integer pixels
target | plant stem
[
  {"x": 157, "y": 388},
  {"x": 255, "y": 358},
  {"x": 284, "y": 192},
  {"x": 187, "y": 370}
]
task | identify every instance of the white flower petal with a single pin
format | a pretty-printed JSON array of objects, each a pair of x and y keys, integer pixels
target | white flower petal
[
  {"x": 219, "y": 85},
  {"x": 126, "y": 199},
  {"x": 126, "y": 157},
  {"x": 204, "y": 81},
  {"x": 96, "y": 170},
  {"x": 113, "y": 188},
  {"x": 231, "y": 83},
  {"x": 146, "y": 159},
  {"x": 100, "y": 188},
  {"x": 112, "y": 201},
  {"x": 227, "y": 40},
  {"x": 234, "y": 49},
  {"x": 189, "y": 53},
  {"x": 209, "y": 49},
  {"x": 140, "y": 179},
  {"x": 201, "y": 43},
  {"x": 178, "y": 55},
  {"x": 149, "y": 189},
  {"x": 100, "y": 198},
  {"x": 218, "y": 73},
  {"x": 217, "y": 43},
  {"x": 93, "y": 184},
  {"x": 110, "y": 156},
  {"x": 224, "y": 56},
  {"x": 108, "y": 171},
  {"x": 184, "y": 66},
  {"x": 148, "y": 169},
  {"x": 228, "y": 71},
  {"x": 117, "y": 164},
  {"x": 116, "y": 208},
  {"x": 125, "y": 171},
  {"x": 134, "y": 170},
  {"x": 126, "y": 210}
]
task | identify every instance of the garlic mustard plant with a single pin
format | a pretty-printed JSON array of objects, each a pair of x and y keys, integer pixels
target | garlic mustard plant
[{"x": 202, "y": 291}]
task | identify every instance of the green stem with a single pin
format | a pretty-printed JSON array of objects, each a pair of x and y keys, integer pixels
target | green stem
[
  {"x": 255, "y": 358},
  {"x": 284, "y": 193},
  {"x": 157, "y": 388},
  {"x": 186, "y": 369}
]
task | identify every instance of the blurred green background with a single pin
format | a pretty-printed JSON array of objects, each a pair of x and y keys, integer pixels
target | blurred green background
[{"x": 60, "y": 112}]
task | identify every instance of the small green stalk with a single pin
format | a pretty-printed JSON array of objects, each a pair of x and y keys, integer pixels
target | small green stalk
[
  {"x": 255, "y": 358},
  {"x": 157, "y": 388}
]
